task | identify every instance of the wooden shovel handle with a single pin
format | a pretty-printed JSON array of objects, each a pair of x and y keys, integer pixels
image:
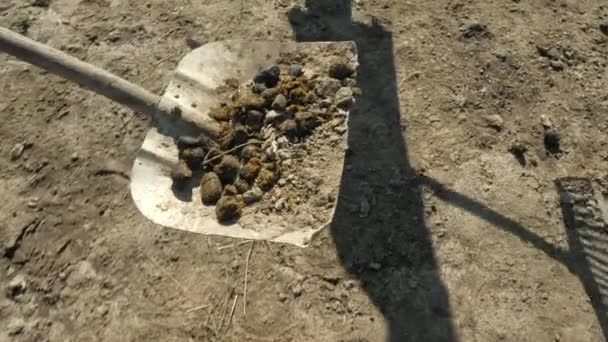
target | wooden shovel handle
[
  {"x": 87, "y": 75},
  {"x": 104, "y": 83}
]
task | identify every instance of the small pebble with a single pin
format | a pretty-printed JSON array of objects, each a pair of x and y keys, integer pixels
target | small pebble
[
  {"x": 16, "y": 286},
  {"x": 270, "y": 94},
  {"x": 295, "y": 70},
  {"x": 279, "y": 103},
  {"x": 327, "y": 87},
  {"x": 258, "y": 88},
  {"x": 297, "y": 290},
  {"x": 340, "y": 130},
  {"x": 272, "y": 116},
  {"x": 344, "y": 97},
  {"x": 17, "y": 151},
  {"x": 279, "y": 204},
  {"x": 185, "y": 141},
  {"x": 495, "y": 121},
  {"x": 557, "y": 65},
  {"x": 282, "y": 182},
  {"x": 253, "y": 195},
  {"x": 375, "y": 266}
]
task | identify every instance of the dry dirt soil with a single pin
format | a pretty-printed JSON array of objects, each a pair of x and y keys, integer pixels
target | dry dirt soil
[{"x": 464, "y": 239}]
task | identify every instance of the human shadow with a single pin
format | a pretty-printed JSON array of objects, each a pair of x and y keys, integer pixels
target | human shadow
[{"x": 387, "y": 248}]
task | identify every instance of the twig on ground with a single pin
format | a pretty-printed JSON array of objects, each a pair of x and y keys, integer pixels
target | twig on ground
[
  {"x": 268, "y": 246},
  {"x": 232, "y": 245},
  {"x": 246, "y": 279}
]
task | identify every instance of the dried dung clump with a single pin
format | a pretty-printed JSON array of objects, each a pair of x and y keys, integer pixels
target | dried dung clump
[{"x": 263, "y": 123}]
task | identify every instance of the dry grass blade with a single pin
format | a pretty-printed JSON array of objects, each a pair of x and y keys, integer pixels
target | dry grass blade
[
  {"x": 246, "y": 279},
  {"x": 198, "y": 308},
  {"x": 223, "y": 310},
  {"x": 177, "y": 283},
  {"x": 232, "y": 310},
  {"x": 207, "y": 161}
]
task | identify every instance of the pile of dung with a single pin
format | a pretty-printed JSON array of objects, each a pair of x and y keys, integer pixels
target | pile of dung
[{"x": 260, "y": 121}]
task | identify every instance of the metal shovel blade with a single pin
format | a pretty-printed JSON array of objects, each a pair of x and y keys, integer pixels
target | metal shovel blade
[{"x": 195, "y": 82}]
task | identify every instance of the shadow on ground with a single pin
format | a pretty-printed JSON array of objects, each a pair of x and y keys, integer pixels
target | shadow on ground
[
  {"x": 389, "y": 250},
  {"x": 586, "y": 229}
]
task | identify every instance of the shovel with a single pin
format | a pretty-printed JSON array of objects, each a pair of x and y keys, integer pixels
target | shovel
[{"x": 183, "y": 110}]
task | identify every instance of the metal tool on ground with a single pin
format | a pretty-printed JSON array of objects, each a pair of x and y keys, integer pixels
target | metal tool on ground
[{"x": 183, "y": 110}]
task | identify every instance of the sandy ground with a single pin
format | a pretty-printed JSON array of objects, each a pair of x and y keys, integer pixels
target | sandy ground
[{"x": 464, "y": 241}]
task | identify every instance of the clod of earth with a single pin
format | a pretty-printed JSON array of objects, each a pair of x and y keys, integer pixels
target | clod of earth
[
  {"x": 41, "y": 3},
  {"x": 519, "y": 150},
  {"x": 604, "y": 28},
  {"x": 476, "y": 30},
  {"x": 268, "y": 76},
  {"x": 552, "y": 140},
  {"x": 16, "y": 287},
  {"x": 548, "y": 52}
]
